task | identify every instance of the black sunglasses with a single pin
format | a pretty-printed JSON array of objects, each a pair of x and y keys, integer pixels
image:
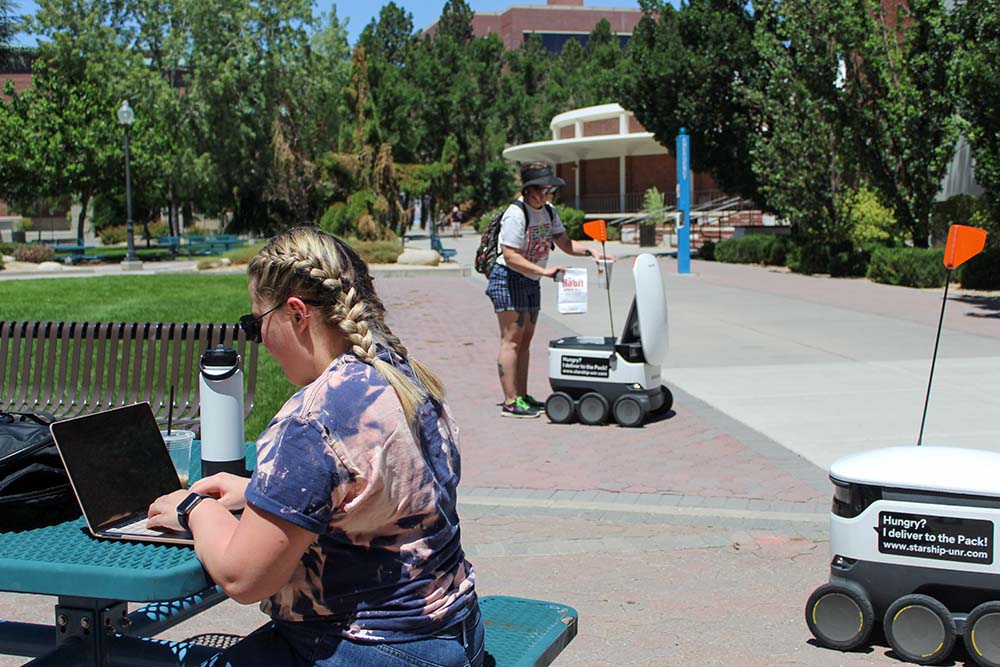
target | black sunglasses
[{"x": 251, "y": 324}]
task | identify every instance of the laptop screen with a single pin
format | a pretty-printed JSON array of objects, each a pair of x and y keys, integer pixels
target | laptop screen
[{"x": 116, "y": 461}]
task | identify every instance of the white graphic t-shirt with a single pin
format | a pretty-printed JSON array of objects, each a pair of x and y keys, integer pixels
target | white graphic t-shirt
[{"x": 532, "y": 241}]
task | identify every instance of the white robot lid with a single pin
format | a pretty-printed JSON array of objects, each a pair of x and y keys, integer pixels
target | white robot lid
[
  {"x": 651, "y": 309},
  {"x": 939, "y": 469}
]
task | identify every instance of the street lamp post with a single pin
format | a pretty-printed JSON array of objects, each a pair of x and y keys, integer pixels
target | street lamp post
[{"x": 125, "y": 118}]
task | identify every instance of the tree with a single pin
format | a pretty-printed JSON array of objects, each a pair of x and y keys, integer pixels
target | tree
[
  {"x": 566, "y": 86},
  {"x": 69, "y": 113},
  {"x": 901, "y": 108},
  {"x": 978, "y": 70},
  {"x": 524, "y": 86},
  {"x": 460, "y": 81},
  {"x": 601, "y": 71},
  {"x": 456, "y": 22},
  {"x": 685, "y": 68},
  {"x": 364, "y": 175},
  {"x": 798, "y": 150},
  {"x": 8, "y": 28},
  {"x": 389, "y": 44}
]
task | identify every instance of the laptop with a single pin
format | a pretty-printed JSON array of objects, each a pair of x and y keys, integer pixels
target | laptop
[{"x": 118, "y": 465}]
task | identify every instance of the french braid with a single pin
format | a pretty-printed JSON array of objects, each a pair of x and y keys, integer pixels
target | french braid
[{"x": 328, "y": 274}]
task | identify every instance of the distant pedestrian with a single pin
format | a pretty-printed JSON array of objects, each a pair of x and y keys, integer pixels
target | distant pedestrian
[
  {"x": 456, "y": 221},
  {"x": 528, "y": 229}
]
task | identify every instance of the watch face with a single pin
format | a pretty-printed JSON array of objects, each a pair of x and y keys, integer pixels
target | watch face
[{"x": 189, "y": 502}]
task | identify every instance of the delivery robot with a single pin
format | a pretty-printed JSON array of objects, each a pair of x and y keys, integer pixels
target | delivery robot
[
  {"x": 593, "y": 378},
  {"x": 912, "y": 535}
]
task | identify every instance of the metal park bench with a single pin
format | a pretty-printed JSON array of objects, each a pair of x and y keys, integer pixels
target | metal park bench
[
  {"x": 74, "y": 368},
  {"x": 210, "y": 243},
  {"x": 71, "y": 252},
  {"x": 171, "y": 243},
  {"x": 446, "y": 253}
]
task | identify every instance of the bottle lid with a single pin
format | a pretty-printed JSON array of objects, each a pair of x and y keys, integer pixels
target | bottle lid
[{"x": 220, "y": 356}]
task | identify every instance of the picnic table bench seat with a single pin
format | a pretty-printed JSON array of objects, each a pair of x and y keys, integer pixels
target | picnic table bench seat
[{"x": 75, "y": 368}]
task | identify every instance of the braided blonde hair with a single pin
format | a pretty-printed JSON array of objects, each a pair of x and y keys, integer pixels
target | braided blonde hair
[{"x": 329, "y": 274}]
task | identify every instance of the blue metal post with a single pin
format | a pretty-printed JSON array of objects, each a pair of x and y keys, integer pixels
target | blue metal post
[{"x": 683, "y": 162}]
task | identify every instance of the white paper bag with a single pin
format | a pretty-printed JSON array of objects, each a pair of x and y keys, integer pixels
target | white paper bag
[{"x": 572, "y": 291}]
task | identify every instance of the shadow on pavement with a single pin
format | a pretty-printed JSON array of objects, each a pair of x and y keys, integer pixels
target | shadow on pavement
[{"x": 988, "y": 305}]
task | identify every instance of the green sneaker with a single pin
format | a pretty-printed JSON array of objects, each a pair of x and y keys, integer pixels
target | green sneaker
[
  {"x": 518, "y": 408},
  {"x": 534, "y": 402}
]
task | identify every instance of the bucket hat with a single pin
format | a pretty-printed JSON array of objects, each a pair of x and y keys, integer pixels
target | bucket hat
[{"x": 539, "y": 175}]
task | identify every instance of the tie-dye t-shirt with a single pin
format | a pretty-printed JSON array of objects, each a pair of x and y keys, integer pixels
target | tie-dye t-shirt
[{"x": 340, "y": 460}]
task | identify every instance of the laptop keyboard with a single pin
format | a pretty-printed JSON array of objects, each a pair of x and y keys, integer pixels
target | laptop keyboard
[{"x": 134, "y": 528}]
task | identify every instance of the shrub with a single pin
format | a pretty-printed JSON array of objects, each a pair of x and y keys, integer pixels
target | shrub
[
  {"x": 707, "y": 251},
  {"x": 158, "y": 229},
  {"x": 377, "y": 252},
  {"x": 34, "y": 252},
  {"x": 2, "y": 267},
  {"x": 869, "y": 220},
  {"x": 652, "y": 206},
  {"x": 572, "y": 220},
  {"x": 342, "y": 218},
  {"x": 909, "y": 267},
  {"x": 982, "y": 271},
  {"x": 839, "y": 259},
  {"x": 113, "y": 235},
  {"x": 7, "y": 248},
  {"x": 753, "y": 249},
  {"x": 243, "y": 254},
  {"x": 485, "y": 218}
]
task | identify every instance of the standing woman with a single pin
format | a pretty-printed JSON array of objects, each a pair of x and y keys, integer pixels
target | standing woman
[
  {"x": 528, "y": 230},
  {"x": 349, "y": 535}
]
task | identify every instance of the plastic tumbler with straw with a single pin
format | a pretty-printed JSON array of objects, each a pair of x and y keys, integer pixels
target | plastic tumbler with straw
[{"x": 178, "y": 444}]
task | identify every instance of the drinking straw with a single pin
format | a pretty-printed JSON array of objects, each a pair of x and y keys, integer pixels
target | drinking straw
[{"x": 170, "y": 410}]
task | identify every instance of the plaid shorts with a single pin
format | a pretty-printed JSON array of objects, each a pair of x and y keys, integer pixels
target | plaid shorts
[{"x": 509, "y": 290}]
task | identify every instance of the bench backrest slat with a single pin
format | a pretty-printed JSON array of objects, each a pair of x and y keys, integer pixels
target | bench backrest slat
[{"x": 75, "y": 368}]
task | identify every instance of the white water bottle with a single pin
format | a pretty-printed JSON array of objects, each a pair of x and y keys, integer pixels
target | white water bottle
[{"x": 220, "y": 393}]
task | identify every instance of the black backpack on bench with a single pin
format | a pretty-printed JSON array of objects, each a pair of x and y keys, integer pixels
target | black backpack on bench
[{"x": 34, "y": 487}]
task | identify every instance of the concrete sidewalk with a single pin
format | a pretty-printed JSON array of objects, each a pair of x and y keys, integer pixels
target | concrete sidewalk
[{"x": 696, "y": 539}]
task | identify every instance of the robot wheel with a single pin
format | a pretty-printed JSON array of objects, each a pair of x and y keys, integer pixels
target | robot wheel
[
  {"x": 840, "y": 617},
  {"x": 920, "y": 629},
  {"x": 982, "y": 634}
]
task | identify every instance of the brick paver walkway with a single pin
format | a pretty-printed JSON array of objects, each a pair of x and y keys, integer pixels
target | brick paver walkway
[{"x": 449, "y": 324}]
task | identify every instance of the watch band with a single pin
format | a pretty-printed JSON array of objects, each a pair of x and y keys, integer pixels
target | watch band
[{"x": 185, "y": 507}]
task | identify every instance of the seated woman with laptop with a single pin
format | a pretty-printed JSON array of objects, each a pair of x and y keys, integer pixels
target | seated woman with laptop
[{"x": 350, "y": 536}]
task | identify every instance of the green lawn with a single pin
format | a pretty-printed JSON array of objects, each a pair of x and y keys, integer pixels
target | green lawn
[{"x": 160, "y": 298}]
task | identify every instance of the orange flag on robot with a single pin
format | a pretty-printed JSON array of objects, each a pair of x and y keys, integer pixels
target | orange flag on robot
[{"x": 964, "y": 243}]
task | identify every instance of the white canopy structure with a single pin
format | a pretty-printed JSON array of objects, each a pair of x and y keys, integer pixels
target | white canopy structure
[{"x": 587, "y": 142}]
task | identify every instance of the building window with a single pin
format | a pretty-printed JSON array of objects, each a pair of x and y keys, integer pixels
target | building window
[{"x": 553, "y": 42}]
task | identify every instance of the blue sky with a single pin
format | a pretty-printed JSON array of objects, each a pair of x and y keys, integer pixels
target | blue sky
[{"x": 361, "y": 12}]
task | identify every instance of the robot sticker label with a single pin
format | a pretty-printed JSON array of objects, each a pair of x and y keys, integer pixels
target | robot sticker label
[
  {"x": 936, "y": 537},
  {"x": 588, "y": 367}
]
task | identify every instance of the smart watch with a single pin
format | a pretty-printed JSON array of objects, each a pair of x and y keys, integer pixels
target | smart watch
[{"x": 186, "y": 506}]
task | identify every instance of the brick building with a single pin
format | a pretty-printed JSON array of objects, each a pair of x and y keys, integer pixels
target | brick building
[{"x": 556, "y": 22}]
